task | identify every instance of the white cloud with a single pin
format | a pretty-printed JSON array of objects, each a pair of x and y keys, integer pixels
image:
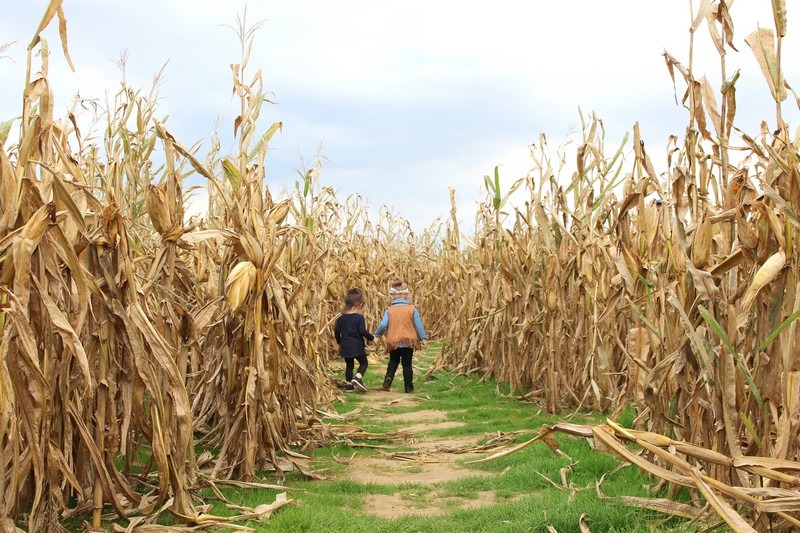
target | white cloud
[
  {"x": 413, "y": 96},
  {"x": 196, "y": 203}
]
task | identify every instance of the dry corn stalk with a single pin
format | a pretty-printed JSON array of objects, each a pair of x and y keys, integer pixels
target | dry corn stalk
[
  {"x": 118, "y": 343},
  {"x": 121, "y": 342},
  {"x": 689, "y": 464},
  {"x": 680, "y": 295}
]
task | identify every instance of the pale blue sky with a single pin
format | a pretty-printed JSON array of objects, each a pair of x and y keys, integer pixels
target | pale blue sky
[{"x": 406, "y": 98}]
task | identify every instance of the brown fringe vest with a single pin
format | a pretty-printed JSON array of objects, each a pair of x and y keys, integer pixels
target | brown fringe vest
[{"x": 401, "y": 328}]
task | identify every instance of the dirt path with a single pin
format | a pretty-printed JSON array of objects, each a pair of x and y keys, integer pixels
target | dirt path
[{"x": 425, "y": 460}]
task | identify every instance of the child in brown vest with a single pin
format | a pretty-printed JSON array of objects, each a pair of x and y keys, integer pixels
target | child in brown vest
[{"x": 404, "y": 332}]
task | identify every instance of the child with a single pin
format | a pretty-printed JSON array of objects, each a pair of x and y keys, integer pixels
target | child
[
  {"x": 350, "y": 332},
  {"x": 404, "y": 332}
]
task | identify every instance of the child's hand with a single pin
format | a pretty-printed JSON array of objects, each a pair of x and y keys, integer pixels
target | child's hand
[{"x": 425, "y": 343}]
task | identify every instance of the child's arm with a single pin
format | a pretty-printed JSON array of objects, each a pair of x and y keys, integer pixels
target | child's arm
[
  {"x": 362, "y": 330},
  {"x": 421, "y": 335},
  {"x": 383, "y": 325},
  {"x": 337, "y": 332}
]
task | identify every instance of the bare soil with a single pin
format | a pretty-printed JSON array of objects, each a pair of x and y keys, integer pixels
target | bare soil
[
  {"x": 427, "y": 461},
  {"x": 398, "y": 504}
]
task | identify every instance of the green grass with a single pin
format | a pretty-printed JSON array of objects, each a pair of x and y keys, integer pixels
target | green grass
[{"x": 524, "y": 499}]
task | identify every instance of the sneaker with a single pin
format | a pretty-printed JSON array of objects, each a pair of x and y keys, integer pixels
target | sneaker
[
  {"x": 387, "y": 383},
  {"x": 349, "y": 387},
  {"x": 357, "y": 383},
  {"x": 409, "y": 388}
]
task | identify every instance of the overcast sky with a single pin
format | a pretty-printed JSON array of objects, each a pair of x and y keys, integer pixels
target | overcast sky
[{"x": 406, "y": 98}]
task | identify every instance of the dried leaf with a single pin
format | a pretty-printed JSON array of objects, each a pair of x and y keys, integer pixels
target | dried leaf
[{"x": 762, "y": 43}]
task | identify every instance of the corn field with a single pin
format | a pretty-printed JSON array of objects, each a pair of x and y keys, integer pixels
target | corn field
[
  {"x": 134, "y": 337},
  {"x": 679, "y": 295}
]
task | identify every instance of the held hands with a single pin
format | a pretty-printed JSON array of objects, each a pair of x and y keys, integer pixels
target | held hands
[{"x": 424, "y": 343}]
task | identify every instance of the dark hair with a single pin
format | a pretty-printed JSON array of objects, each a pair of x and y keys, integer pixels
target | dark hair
[{"x": 352, "y": 298}]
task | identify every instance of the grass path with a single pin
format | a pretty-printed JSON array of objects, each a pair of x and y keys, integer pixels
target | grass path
[
  {"x": 418, "y": 481},
  {"x": 429, "y": 452}
]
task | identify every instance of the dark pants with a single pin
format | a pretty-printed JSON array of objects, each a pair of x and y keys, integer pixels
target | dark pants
[
  {"x": 350, "y": 363},
  {"x": 404, "y": 355}
]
